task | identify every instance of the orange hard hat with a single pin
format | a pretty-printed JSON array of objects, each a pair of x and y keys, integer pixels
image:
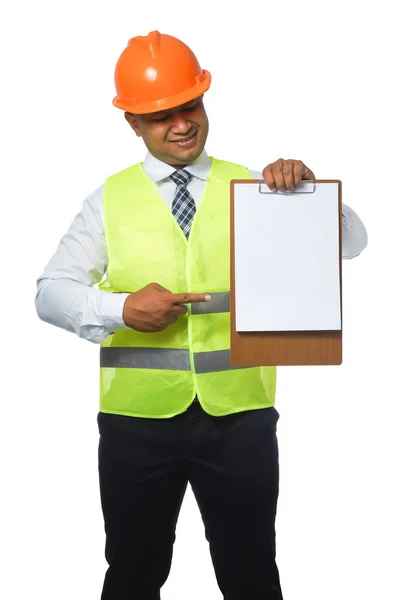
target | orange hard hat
[{"x": 157, "y": 72}]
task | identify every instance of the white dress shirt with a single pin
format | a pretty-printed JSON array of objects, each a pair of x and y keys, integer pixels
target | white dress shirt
[{"x": 65, "y": 293}]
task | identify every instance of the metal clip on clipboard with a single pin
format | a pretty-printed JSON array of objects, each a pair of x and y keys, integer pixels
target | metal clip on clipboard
[{"x": 288, "y": 193}]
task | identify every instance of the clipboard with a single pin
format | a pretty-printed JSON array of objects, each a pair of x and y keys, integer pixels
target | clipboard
[{"x": 276, "y": 348}]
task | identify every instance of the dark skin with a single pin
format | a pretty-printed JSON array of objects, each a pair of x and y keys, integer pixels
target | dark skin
[
  {"x": 164, "y": 132},
  {"x": 177, "y": 137}
]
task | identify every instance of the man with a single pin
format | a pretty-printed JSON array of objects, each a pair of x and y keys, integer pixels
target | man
[{"x": 172, "y": 408}]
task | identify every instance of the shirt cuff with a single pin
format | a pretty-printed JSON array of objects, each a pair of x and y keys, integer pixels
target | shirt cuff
[{"x": 112, "y": 308}]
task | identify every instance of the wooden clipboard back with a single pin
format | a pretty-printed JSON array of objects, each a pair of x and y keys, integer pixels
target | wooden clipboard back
[{"x": 252, "y": 349}]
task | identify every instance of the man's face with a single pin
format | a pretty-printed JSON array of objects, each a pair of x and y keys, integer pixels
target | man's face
[{"x": 176, "y": 136}]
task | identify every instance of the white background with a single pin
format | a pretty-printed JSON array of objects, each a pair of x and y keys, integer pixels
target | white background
[{"x": 316, "y": 81}]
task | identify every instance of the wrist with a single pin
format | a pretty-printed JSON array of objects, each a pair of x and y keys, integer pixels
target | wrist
[{"x": 113, "y": 311}]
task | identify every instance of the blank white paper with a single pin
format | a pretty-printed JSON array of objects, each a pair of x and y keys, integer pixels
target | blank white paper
[{"x": 287, "y": 272}]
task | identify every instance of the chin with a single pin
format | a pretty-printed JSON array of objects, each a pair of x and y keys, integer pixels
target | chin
[{"x": 189, "y": 155}]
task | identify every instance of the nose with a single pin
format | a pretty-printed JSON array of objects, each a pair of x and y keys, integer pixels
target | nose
[{"x": 180, "y": 124}]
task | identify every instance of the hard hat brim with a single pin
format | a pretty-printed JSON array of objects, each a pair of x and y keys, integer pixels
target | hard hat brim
[{"x": 166, "y": 103}]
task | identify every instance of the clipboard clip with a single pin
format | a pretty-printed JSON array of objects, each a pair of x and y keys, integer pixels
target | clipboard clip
[{"x": 265, "y": 189}]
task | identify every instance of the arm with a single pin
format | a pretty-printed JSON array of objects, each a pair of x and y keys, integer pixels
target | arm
[
  {"x": 65, "y": 296},
  {"x": 354, "y": 235}
]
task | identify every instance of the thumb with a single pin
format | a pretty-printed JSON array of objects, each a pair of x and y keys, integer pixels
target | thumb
[{"x": 159, "y": 288}]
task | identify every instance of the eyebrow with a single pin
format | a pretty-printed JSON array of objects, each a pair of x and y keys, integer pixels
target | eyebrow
[{"x": 159, "y": 112}]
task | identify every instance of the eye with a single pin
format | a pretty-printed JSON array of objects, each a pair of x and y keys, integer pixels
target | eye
[
  {"x": 159, "y": 119},
  {"x": 190, "y": 107}
]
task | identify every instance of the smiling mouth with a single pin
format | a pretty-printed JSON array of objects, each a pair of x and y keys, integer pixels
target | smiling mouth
[{"x": 185, "y": 141}]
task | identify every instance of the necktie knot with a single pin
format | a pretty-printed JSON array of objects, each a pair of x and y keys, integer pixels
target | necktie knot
[{"x": 181, "y": 177}]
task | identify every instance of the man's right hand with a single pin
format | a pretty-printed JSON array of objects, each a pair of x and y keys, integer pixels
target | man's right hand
[{"x": 154, "y": 307}]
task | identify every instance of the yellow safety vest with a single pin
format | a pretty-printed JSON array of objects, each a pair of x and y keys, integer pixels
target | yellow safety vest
[{"x": 158, "y": 374}]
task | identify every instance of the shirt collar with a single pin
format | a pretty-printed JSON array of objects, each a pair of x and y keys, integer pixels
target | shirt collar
[{"x": 158, "y": 170}]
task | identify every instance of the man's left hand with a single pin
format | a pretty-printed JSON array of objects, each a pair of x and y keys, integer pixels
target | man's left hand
[{"x": 286, "y": 175}]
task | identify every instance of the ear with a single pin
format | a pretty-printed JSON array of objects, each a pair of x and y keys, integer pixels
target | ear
[{"x": 133, "y": 122}]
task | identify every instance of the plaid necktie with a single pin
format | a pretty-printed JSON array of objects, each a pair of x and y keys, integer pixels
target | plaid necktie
[{"x": 183, "y": 205}]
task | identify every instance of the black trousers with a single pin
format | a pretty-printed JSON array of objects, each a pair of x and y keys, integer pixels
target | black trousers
[{"x": 232, "y": 465}]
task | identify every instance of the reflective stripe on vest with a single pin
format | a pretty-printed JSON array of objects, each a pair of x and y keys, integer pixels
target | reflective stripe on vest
[
  {"x": 221, "y": 302},
  {"x": 165, "y": 358}
]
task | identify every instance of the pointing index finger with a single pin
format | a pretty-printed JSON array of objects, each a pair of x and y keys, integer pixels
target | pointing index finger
[{"x": 187, "y": 298}]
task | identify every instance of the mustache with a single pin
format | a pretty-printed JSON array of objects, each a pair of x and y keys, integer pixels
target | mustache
[{"x": 185, "y": 137}]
